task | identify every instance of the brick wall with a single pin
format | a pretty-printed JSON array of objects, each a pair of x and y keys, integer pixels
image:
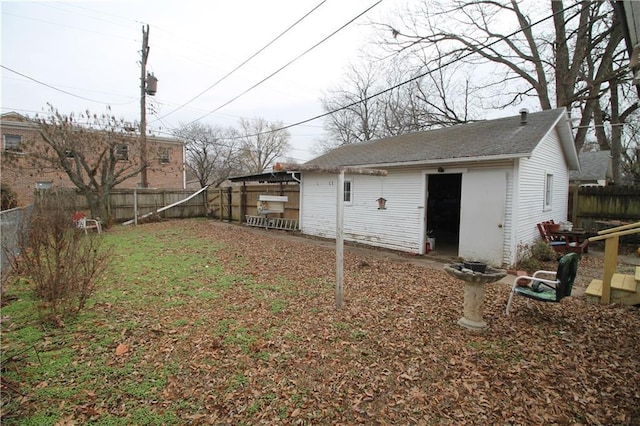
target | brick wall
[{"x": 166, "y": 164}]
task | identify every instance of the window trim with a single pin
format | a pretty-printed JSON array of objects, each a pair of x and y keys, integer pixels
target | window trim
[
  {"x": 548, "y": 191},
  {"x": 348, "y": 193},
  {"x": 164, "y": 155},
  {"x": 122, "y": 152},
  {"x": 14, "y": 147},
  {"x": 44, "y": 185}
]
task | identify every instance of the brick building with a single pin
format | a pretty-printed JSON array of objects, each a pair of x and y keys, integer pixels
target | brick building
[{"x": 166, "y": 162}]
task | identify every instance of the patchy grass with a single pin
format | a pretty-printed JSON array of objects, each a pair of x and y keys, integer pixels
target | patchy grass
[{"x": 200, "y": 322}]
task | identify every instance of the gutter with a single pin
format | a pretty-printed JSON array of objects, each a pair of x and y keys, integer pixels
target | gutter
[{"x": 460, "y": 160}]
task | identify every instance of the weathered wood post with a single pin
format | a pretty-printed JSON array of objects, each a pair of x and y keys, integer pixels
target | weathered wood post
[{"x": 229, "y": 195}]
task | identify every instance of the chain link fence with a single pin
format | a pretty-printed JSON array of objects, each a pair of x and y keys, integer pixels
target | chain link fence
[{"x": 12, "y": 223}]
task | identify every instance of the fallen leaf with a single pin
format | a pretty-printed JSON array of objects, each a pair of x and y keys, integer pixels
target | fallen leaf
[{"x": 122, "y": 349}]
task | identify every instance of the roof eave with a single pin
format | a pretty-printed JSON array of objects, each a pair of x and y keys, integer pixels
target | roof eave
[
  {"x": 563, "y": 124},
  {"x": 441, "y": 161}
]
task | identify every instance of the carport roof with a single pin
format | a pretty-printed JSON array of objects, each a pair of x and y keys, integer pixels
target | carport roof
[{"x": 268, "y": 177}]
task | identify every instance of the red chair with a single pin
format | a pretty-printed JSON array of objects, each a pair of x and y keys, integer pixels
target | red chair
[
  {"x": 81, "y": 221},
  {"x": 562, "y": 243}
]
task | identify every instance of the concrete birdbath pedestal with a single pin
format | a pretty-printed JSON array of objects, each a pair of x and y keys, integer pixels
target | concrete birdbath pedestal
[{"x": 474, "y": 282}]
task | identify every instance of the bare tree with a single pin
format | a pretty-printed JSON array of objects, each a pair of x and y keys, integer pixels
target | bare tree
[
  {"x": 563, "y": 61},
  {"x": 373, "y": 102},
  {"x": 261, "y": 144},
  {"x": 96, "y": 152},
  {"x": 212, "y": 152},
  {"x": 357, "y": 117}
]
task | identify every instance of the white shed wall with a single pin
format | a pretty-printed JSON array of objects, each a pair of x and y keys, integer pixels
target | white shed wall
[
  {"x": 546, "y": 158},
  {"x": 399, "y": 227}
]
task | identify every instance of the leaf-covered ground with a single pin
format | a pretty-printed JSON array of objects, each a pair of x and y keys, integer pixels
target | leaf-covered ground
[{"x": 248, "y": 333}]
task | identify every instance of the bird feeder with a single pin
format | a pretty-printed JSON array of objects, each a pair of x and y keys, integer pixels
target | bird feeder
[{"x": 382, "y": 203}]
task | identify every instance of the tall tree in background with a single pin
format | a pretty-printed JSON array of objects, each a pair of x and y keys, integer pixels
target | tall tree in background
[
  {"x": 211, "y": 152},
  {"x": 261, "y": 144},
  {"x": 568, "y": 60},
  {"x": 372, "y": 102},
  {"x": 358, "y": 118},
  {"x": 96, "y": 152}
]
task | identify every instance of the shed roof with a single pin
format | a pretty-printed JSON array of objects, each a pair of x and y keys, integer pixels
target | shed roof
[{"x": 484, "y": 140}]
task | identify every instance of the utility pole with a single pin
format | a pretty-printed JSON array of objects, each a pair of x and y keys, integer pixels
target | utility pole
[{"x": 143, "y": 104}]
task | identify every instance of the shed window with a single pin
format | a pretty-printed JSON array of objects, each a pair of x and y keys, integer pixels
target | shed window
[
  {"x": 12, "y": 143},
  {"x": 347, "y": 191},
  {"x": 548, "y": 191}
]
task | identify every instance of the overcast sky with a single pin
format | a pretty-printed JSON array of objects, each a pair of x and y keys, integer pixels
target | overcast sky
[{"x": 91, "y": 49}]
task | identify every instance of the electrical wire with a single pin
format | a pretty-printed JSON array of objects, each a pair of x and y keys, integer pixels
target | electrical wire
[
  {"x": 288, "y": 63},
  {"x": 65, "y": 26},
  {"x": 246, "y": 60},
  {"x": 61, "y": 90},
  {"x": 451, "y": 62}
]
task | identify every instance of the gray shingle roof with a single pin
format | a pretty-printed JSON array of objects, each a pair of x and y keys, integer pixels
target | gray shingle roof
[
  {"x": 594, "y": 166},
  {"x": 503, "y": 137}
]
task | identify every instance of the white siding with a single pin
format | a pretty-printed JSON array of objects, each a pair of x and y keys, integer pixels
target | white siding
[
  {"x": 397, "y": 227},
  {"x": 547, "y": 158},
  {"x": 401, "y": 225}
]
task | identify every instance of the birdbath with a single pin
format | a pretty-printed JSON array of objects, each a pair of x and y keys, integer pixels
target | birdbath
[{"x": 474, "y": 282}]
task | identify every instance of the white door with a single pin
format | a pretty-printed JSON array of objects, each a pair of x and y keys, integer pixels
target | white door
[{"x": 482, "y": 216}]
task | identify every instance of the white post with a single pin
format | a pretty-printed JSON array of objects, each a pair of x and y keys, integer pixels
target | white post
[
  {"x": 339, "y": 239},
  {"x": 135, "y": 206}
]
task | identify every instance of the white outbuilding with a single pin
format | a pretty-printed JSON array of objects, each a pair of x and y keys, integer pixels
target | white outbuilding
[{"x": 478, "y": 189}]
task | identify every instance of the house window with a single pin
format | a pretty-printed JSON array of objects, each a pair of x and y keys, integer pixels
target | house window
[
  {"x": 164, "y": 155},
  {"x": 43, "y": 185},
  {"x": 12, "y": 143},
  {"x": 548, "y": 191},
  {"x": 122, "y": 152},
  {"x": 347, "y": 191}
]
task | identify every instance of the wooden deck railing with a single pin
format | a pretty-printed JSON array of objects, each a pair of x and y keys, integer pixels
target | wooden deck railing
[{"x": 611, "y": 239}]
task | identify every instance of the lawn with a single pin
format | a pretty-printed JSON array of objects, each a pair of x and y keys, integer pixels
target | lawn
[{"x": 201, "y": 322}]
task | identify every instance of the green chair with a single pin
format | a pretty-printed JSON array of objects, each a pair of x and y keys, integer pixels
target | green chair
[{"x": 547, "y": 286}]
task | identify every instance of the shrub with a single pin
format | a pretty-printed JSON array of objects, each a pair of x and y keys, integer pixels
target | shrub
[
  {"x": 525, "y": 259},
  {"x": 542, "y": 250},
  {"x": 62, "y": 262},
  {"x": 9, "y": 197}
]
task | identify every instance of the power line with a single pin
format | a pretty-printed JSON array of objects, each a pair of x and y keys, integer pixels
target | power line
[
  {"x": 61, "y": 90},
  {"x": 246, "y": 60},
  {"x": 288, "y": 63},
  {"x": 464, "y": 56},
  {"x": 64, "y": 26}
]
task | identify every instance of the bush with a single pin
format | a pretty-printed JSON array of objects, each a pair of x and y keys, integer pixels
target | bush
[
  {"x": 9, "y": 197},
  {"x": 62, "y": 262},
  {"x": 531, "y": 257},
  {"x": 542, "y": 250}
]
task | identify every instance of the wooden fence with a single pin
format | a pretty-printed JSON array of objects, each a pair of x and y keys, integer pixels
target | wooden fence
[
  {"x": 600, "y": 207},
  {"x": 233, "y": 204},
  {"x": 124, "y": 202}
]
